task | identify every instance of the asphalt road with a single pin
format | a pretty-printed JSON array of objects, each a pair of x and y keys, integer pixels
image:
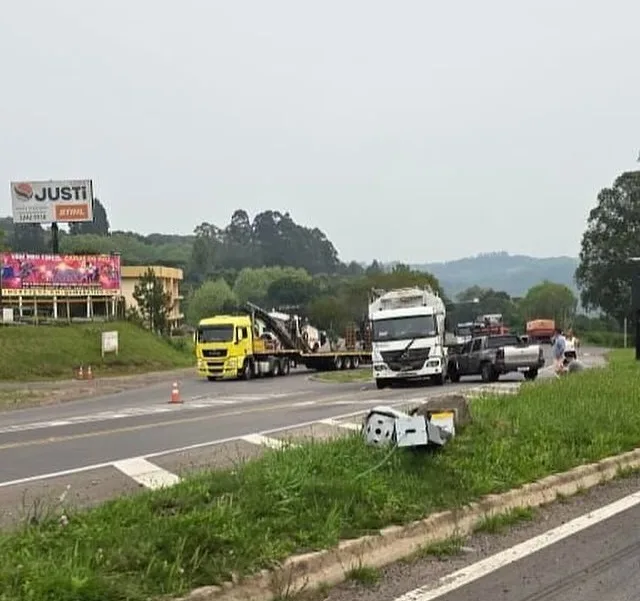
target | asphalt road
[
  {"x": 79, "y": 442},
  {"x": 586, "y": 548}
]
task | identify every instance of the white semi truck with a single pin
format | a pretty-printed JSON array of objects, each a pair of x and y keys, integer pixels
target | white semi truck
[{"x": 408, "y": 336}]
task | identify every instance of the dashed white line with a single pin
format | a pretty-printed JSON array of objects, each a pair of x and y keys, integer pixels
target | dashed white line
[
  {"x": 265, "y": 441},
  {"x": 146, "y": 473},
  {"x": 338, "y": 424}
]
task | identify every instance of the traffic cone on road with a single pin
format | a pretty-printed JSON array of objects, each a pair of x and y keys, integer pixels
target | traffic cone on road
[{"x": 175, "y": 394}]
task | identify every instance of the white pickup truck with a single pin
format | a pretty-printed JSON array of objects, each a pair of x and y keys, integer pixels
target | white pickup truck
[{"x": 492, "y": 356}]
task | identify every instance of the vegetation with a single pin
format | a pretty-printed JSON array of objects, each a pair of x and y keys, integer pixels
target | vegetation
[
  {"x": 357, "y": 375},
  {"x": 213, "y": 525},
  {"x": 608, "y": 245},
  {"x": 55, "y": 352}
]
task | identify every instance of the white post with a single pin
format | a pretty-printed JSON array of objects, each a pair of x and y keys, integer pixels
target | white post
[{"x": 625, "y": 332}]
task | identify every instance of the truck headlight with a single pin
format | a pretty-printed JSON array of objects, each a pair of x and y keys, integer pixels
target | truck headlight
[{"x": 433, "y": 363}]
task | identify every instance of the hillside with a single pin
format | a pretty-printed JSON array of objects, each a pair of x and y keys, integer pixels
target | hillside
[{"x": 514, "y": 274}]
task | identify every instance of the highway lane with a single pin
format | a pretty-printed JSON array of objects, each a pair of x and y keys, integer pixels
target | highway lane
[
  {"x": 48, "y": 447},
  {"x": 140, "y": 422}
]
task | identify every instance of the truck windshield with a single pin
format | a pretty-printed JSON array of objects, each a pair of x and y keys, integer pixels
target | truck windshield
[
  {"x": 221, "y": 333},
  {"x": 404, "y": 328}
]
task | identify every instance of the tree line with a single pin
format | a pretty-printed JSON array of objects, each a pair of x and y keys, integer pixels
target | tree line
[{"x": 275, "y": 261}]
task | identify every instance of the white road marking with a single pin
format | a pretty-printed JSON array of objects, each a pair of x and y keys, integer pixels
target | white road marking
[
  {"x": 303, "y": 404},
  {"x": 465, "y": 576},
  {"x": 146, "y": 473},
  {"x": 176, "y": 450},
  {"x": 265, "y": 441},
  {"x": 338, "y": 424},
  {"x": 201, "y": 403}
]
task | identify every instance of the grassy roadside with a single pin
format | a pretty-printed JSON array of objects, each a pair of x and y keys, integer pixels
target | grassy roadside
[
  {"x": 362, "y": 374},
  {"x": 309, "y": 497},
  {"x": 31, "y": 353}
]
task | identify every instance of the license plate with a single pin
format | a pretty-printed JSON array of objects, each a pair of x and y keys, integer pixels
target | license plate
[{"x": 523, "y": 369}]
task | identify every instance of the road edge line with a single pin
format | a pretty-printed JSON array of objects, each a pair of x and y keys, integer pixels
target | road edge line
[{"x": 329, "y": 567}]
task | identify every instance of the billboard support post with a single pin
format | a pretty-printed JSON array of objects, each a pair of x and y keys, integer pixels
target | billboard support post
[{"x": 55, "y": 240}]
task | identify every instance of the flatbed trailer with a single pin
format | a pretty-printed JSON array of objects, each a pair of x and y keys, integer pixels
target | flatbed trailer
[{"x": 230, "y": 347}]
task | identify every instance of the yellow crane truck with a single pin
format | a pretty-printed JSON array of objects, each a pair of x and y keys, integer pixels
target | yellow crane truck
[{"x": 256, "y": 344}]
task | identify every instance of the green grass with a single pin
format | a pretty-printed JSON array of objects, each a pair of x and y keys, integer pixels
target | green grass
[
  {"x": 499, "y": 522},
  {"x": 212, "y": 525},
  {"x": 362, "y": 374},
  {"x": 29, "y": 353}
]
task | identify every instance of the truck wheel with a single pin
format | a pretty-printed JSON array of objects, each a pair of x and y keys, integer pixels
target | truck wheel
[
  {"x": 355, "y": 363},
  {"x": 276, "y": 368},
  {"x": 286, "y": 367},
  {"x": 486, "y": 372},
  {"x": 247, "y": 372},
  {"x": 380, "y": 384},
  {"x": 438, "y": 380},
  {"x": 347, "y": 363},
  {"x": 454, "y": 376},
  {"x": 531, "y": 375},
  {"x": 337, "y": 362}
]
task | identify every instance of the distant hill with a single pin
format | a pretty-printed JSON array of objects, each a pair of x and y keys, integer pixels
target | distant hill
[{"x": 514, "y": 274}]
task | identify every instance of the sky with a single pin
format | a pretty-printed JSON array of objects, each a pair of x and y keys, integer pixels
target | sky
[{"x": 410, "y": 130}]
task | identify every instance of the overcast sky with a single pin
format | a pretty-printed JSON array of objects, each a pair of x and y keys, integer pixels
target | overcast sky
[{"x": 407, "y": 129}]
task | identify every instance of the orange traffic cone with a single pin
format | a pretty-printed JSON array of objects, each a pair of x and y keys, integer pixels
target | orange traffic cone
[
  {"x": 89, "y": 374},
  {"x": 175, "y": 394},
  {"x": 80, "y": 373}
]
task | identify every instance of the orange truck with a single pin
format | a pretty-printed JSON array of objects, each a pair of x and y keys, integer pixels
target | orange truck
[{"x": 541, "y": 330}]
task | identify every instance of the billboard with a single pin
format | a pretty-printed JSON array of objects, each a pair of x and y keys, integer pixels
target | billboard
[
  {"x": 60, "y": 275},
  {"x": 52, "y": 201}
]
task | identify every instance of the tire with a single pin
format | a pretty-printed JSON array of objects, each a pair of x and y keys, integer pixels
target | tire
[
  {"x": 355, "y": 363},
  {"x": 286, "y": 367},
  {"x": 454, "y": 376},
  {"x": 380, "y": 384},
  {"x": 486, "y": 372},
  {"x": 531, "y": 375},
  {"x": 337, "y": 362},
  {"x": 347, "y": 364},
  {"x": 247, "y": 372},
  {"x": 276, "y": 368}
]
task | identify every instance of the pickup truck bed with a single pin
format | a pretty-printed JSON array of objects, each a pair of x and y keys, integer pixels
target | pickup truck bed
[{"x": 492, "y": 356}]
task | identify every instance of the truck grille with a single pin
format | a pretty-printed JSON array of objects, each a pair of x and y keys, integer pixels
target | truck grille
[
  {"x": 405, "y": 360},
  {"x": 220, "y": 352}
]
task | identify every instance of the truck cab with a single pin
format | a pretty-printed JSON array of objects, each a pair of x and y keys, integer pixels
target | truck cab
[
  {"x": 408, "y": 341},
  {"x": 224, "y": 344}
]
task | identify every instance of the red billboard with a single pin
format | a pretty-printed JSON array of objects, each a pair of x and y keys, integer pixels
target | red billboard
[{"x": 60, "y": 275}]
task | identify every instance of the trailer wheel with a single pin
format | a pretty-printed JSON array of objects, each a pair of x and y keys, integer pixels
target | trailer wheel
[
  {"x": 286, "y": 367},
  {"x": 355, "y": 362},
  {"x": 347, "y": 363},
  {"x": 276, "y": 368},
  {"x": 337, "y": 362}
]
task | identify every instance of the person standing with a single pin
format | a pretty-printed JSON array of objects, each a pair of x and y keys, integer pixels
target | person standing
[{"x": 559, "y": 346}]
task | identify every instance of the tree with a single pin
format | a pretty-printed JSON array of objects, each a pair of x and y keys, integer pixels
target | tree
[
  {"x": 549, "y": 300},
  {"x": 205, "y": 251},
  {"x": 212, "y": 298},
  {"x": 153, "y": 302},
  {"x": 612, "y": 236},
  {"x": 489, "y": 301},
  {"x": 29, "y": 238},
  {"x": 99, "y": 226}
]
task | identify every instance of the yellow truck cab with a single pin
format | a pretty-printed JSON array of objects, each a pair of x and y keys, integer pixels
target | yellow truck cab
[{"x": 235, "y": 346}]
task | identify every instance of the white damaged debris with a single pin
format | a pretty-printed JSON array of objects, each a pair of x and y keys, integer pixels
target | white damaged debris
[{"x": 385, "y": 425}]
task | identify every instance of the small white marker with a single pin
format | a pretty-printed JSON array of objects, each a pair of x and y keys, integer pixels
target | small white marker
[
  {"x": 146, "y": 473},
  {"x": 258, "y": 439},
  {"x": 335, "y": 423}
]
